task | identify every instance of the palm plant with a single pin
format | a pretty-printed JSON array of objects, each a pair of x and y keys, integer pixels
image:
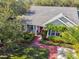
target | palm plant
[{"x": 71, "y": 34}]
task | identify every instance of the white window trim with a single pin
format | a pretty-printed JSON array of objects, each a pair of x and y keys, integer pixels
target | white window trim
[
  {"x": 57, "y": 18},
  {"x": 63, "y": 22},
  {"x": 70, "y": 20}
]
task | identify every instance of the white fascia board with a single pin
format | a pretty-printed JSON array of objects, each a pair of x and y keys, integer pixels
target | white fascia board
[
  {"x": 57, "y": 17},
  {"x": 70, "y": 20},
  {"x": 63, "y": 22},
  {"x": 53, "y": 19}
]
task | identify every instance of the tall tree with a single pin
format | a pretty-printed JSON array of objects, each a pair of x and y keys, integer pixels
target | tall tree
[
  {"x": 10, "y": 25},
  {"x": 57, "y": 2},
  {"x": 44, "y": 2}
]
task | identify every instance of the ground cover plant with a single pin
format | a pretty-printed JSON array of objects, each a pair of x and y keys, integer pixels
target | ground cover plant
[{"x": 27, "y": 53}]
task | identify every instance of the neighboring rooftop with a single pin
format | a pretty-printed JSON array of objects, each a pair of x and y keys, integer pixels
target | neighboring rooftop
[{"x": 41, "y": 14}]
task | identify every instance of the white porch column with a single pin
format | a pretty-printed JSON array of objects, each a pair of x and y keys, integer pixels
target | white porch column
[
  {"x": 49, "y": 33},
  {"x": 35, "y": 30}
]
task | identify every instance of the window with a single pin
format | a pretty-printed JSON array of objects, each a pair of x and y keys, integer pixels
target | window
[
  {"x": 57, "y": 33},
  {"x": 53, "y": 33},
  {"x": 29, "y": 28}
]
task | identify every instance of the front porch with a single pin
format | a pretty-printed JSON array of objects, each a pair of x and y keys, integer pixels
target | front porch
[
  {"x": 39, "y": 29},
  {"x": 34, "y": 29}
]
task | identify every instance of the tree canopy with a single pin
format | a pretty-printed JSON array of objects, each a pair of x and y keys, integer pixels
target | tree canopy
[
  {"x": 18, "y": 7},
  {"x": 57, "y": 2},
  {"x": 10, "y": 24}
]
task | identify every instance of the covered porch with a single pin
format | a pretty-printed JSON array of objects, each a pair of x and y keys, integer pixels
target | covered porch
[
  {"x": 39, "y": 29},
  {"x": 34, "y": 29}
]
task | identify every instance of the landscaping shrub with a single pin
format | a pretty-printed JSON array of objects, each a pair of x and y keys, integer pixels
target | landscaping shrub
[
  {"x": 57, "y": 39},
  {"x": 69, "y": 56},
  {"x": 32, "y": 53},
  {"x": 36, "y": 53},
  {"x": 20, "y": 52},
  {"x": 28, "y": 36},
  {"x": 76, "y": 47}
]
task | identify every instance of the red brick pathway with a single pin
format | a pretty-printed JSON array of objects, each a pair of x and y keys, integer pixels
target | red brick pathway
[{"x": 52, "y": 49}]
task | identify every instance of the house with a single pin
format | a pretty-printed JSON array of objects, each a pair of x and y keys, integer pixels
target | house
[{"x": 39, "y": 16}]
